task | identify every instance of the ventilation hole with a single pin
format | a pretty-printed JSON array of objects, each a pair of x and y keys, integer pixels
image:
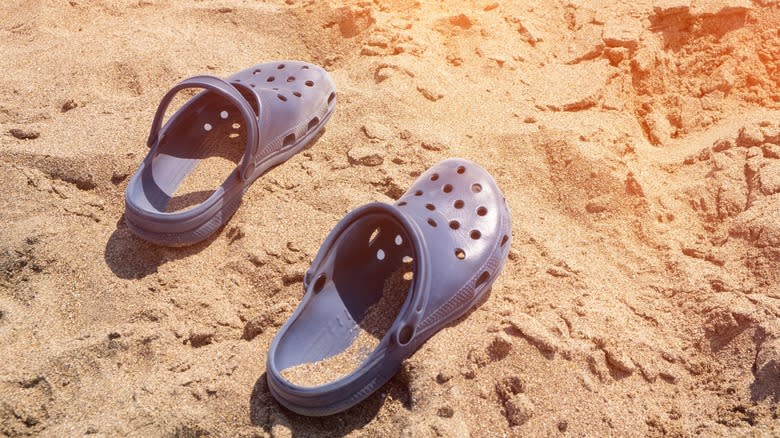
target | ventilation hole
[
  {"x": 407, "y": 260},
  {"x": 236, "y": 125},
  {"x": 459, "y": 204},
  {"x": 418, "y": 193},
  {"x": 320, "y": 283},
  {"x": 504, "y": 240},
  {"x": 483, "y": 277},
  {"x": 405, "y": 335},
  {"x": 256, "y": 72},
  {"x": 296, "y": 94},
  {"x": 275, "y": 89},
  {"x": 280, "y": 66},
  {"x": 430, "y": 207},
  {"x": 476, "y": 188},
  {"x": 482, "y": 211},
  {"x": 309, "y": 83},
  {"x": 454, "y": 225},
  {"x": 408, "y": 276},
  {"x": 432, "y": 222},
  {"x": 380, "y": 255},
  {"x": 270, "y": 79},
  {"x": 460, "y": 254},
  {"x": 402, "y": 203},
  {"x": 282, "y": 97},
  {"x": 373, "y": 237},
  {"x": 233, "y": 135},
  {"x": 434, "y": 177},
  {"x": 305, "y": 67},
  {"x": 207, "y": 126},
  {"x": 461, "y": 170},
  {"x": 399, "y": 240},
  {"x": 475, "y": 234},
  {"x": 447, "y": 188},
  {"x": 224, "y": 115},
  {"x": 331, "y": 97},
  {"x": 238, "y": 80},
  {"x": 291, "y": 79},
  {"x": 252, "y": 85},
  {"x": 313, "y": 123},
  {"x": 289, "y": 140}
]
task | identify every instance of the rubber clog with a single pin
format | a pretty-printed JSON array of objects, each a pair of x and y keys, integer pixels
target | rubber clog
[
  {"x": 453, "y": 225},
  {"x": 277, "y": 107}
]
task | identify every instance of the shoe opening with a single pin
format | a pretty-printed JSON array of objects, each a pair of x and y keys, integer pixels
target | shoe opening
[
  {"x": 371, "y": 274},
  {"x": 204, "y": 141}
]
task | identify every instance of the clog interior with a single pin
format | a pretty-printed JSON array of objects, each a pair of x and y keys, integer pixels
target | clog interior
[
  {"x": 357, "y": 298},
  {"x": 202, "y": 146}
]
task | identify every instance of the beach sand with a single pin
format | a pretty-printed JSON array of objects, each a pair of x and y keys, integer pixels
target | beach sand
[{"x": 638, "y": 147}]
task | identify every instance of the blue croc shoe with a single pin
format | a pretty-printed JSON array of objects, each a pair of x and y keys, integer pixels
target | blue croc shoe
[
  {"x": 275, "y": 108},
  {"x": 448, "y": 236}
]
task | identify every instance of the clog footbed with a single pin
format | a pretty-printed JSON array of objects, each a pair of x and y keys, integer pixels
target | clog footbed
[
  {"x": 449, "y": 236},
  {"x": 274, "y": 109}
]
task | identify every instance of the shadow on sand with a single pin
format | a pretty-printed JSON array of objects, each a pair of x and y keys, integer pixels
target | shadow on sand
[
  {"x": 130, "y": 257},
  {"x": 266, "y": 412}
]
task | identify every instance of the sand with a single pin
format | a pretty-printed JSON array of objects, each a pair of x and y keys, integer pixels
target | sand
[
  {"x": 637, "y": 144},
  {"x": 371, "y": 329}
]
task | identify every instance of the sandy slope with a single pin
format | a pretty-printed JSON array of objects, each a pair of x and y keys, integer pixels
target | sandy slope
[{"x": 638, "y": 147}]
